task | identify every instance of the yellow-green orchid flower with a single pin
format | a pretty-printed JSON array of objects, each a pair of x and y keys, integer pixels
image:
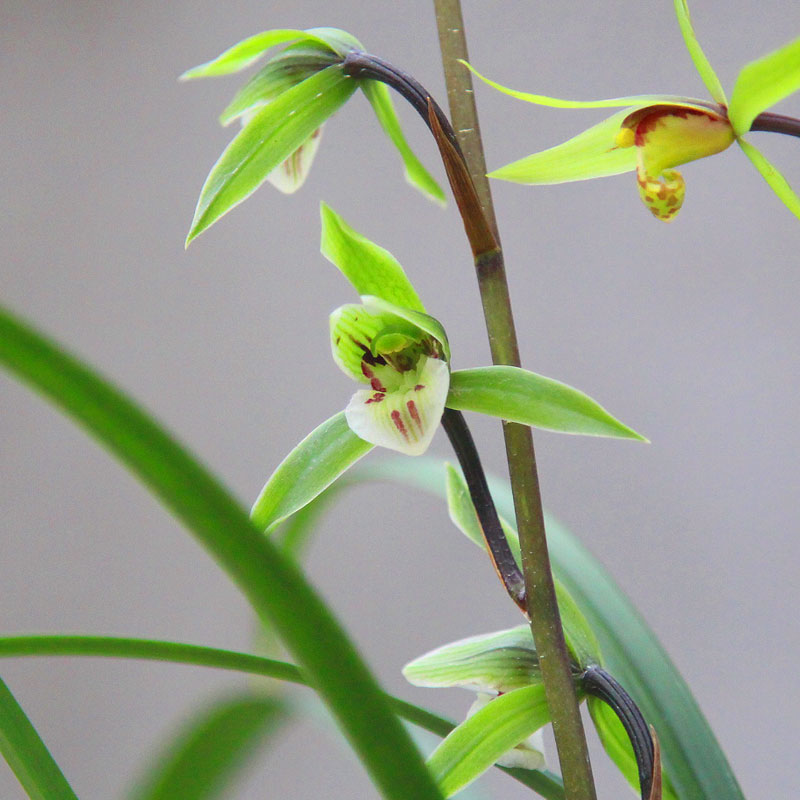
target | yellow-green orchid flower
[{"x": 655, "y": 133}]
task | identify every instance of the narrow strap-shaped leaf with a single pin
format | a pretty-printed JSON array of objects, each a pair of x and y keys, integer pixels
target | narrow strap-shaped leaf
[
  {"x": 201, "y": 761},
  {"x": 247, "y": 51},
  {"x": 776, "y": 181},
  {"x": 27, "y": 755},
  {"x": 484, "y": 737},
  {"x": 270, "y": 137},
  {"x": 701, "y": 63},
  {"x": 517, "y": 395},
  {"x": 275, "y": 588},
  {"x": 370, "y": 268},
  {"x": 308, "y": 470},
  {"x": 381, "y": 101},
  {"x": 547, "y": 784},
  {"x": 764, "y": 82}
]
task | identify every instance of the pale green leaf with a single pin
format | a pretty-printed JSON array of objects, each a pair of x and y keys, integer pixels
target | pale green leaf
[
  {"x": 489, "y": 662},
  {"x": 341, "y": 42},
  {"x": 425, "y": 322},
  {"x": 762, "y": 83},
  {"x": 701, "y": 63},
  {"x": 27, "y": 755},
  {"x": 247, "y": 51},
  {"x": 381, "y": 101},
  {"x": 209, "y": 751},
  {"x": 481, "y": 740},
  {"x": 517, "y": 395},
  {"x": 371, "y": 269},
  {"x": 637, "y": 100},
  {"x": 308, "y": 470},
  {"x": 777, "y": 182},
  {"x": 271, "y": 136}
]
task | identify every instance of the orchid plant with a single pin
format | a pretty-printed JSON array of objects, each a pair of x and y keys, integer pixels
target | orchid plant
[{"x": 579, "y": 638}]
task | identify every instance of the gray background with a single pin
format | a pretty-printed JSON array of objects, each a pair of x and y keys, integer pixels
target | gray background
[{"x": 686, "y": 331}]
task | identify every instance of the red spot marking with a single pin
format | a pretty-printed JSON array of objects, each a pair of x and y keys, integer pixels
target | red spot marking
[
  {"x": 399, "y": 424},
  {"x": 418, "y": 387},
  {"x": 376, "y": 398},
  {"x": 412, "y": 410}
]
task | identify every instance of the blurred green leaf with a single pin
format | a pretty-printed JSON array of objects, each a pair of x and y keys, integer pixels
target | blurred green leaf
[
  {"x": 205, "y": 756},
  {"x": 381, "y": 101},
  {"x": 477, "y": 743},
  {"x": 701, "y": 63},
  {"x": 776, "y": 181},
  {"x": 275, "y": 588},
  {"x": 371, "y": 269},
  {"x": 517, "y": 395},
  {"x": 762, "y": 83},
  {"x": 308, "y": 470},
  {"x": 27, "y": 755},
  {"x": 271, "y": 136}
]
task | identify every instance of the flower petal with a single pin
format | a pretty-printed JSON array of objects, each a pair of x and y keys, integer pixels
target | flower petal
[
  {"x": 701, "y": 63},
  {"x": 291, "y": 174},
  {"x": 425, "y": 322},
  {"x": 771, "y": 175},
  {"x": 403, "y": 419},
  {"x": 353, "y": 329},
  {"x": 764, "y": 82},
  {"x": 490, "y": 662}
]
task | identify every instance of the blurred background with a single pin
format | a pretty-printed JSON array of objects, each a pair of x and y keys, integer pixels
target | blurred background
[{"x": 686, "y": 331}]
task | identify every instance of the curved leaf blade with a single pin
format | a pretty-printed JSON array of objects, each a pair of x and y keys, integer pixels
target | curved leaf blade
[
  {"x": 27, "y": 755},
  {"x": 517, "y": 395},
  {"x": 477, "y": 743},
  {"x": 328, "y": 451},
  {"x": 701, "y": 63},
  {"x": 276, "y": 589},
  {"x": 201, "y": 761},
  {"x": 269, "y": 138},
  {"x": 762, "y": 83},
  {"x": 370, "y": 268},
  {"x": 416, "y": 174},
  {"x": 776, "y": 181}
]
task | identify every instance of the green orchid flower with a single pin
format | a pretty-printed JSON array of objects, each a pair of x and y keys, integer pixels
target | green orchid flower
[{"x": 655, "y": 133}]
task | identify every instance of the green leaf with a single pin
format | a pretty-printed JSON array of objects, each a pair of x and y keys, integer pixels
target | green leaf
[
  {"x": 341, "y": 42},
  {"x": 701, "y": 63},
  {"x": 692, "y": 757},
  {"x": 762, "y": 83},
  {"x": 478, "y": 742},
  {"x": 247, "y": 51},
  {"x": 777, "y": 182},
  {"x": 381, "y": 102},
  {"x": 270, "y": 137},
  {"x": 520, "y": 396},
  {"x": 27, "y": 755},
  {"x": 371, "y": 269},
  {"x": 275, "y": 588},
  {"x": 308, "y": 470},
  {"x": 424, "y": 322},
  {"x": 210, "y": 749},
  {"x": 618, "y": 746},
  {"x": 547, "y": 784}
]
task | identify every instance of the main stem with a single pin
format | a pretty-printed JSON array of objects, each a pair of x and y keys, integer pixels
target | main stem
[{"x": 540, "y": 590}]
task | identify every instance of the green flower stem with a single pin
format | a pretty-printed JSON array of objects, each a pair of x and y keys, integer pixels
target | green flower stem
[
  {"x": 545, "y": 783},
  {"x": 542, "y": 605},
  {"x": 503, "y": 559},
  {"x": 776, "y": 123}
]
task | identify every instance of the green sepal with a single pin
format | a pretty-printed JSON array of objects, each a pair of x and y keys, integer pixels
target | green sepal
[
  {"x": 271, "y": 136},
  {"x": 381, "y": 101},
  {"x": 517, "y": 395},
  {"x": 371, "y": 269},
  {"x": 701, "y": 63},
  {"x": 492, "y": 662},
  {"x": 775, "y": 179},
  {"x": 327, "y": 452},
  {"x": 478, "y": 742},
  {"x": 425, "y": 322},
  {"x": 762, "y": 83}
]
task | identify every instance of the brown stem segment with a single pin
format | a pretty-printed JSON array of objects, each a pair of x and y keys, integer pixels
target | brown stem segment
[
  {"x": 542, "y": 605},
  {"x": 776, "y": 123}
]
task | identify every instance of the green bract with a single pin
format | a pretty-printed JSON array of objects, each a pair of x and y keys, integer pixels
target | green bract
[
  {"x": 282, "y": 109},
  {"x": 658, "y": 132}
]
